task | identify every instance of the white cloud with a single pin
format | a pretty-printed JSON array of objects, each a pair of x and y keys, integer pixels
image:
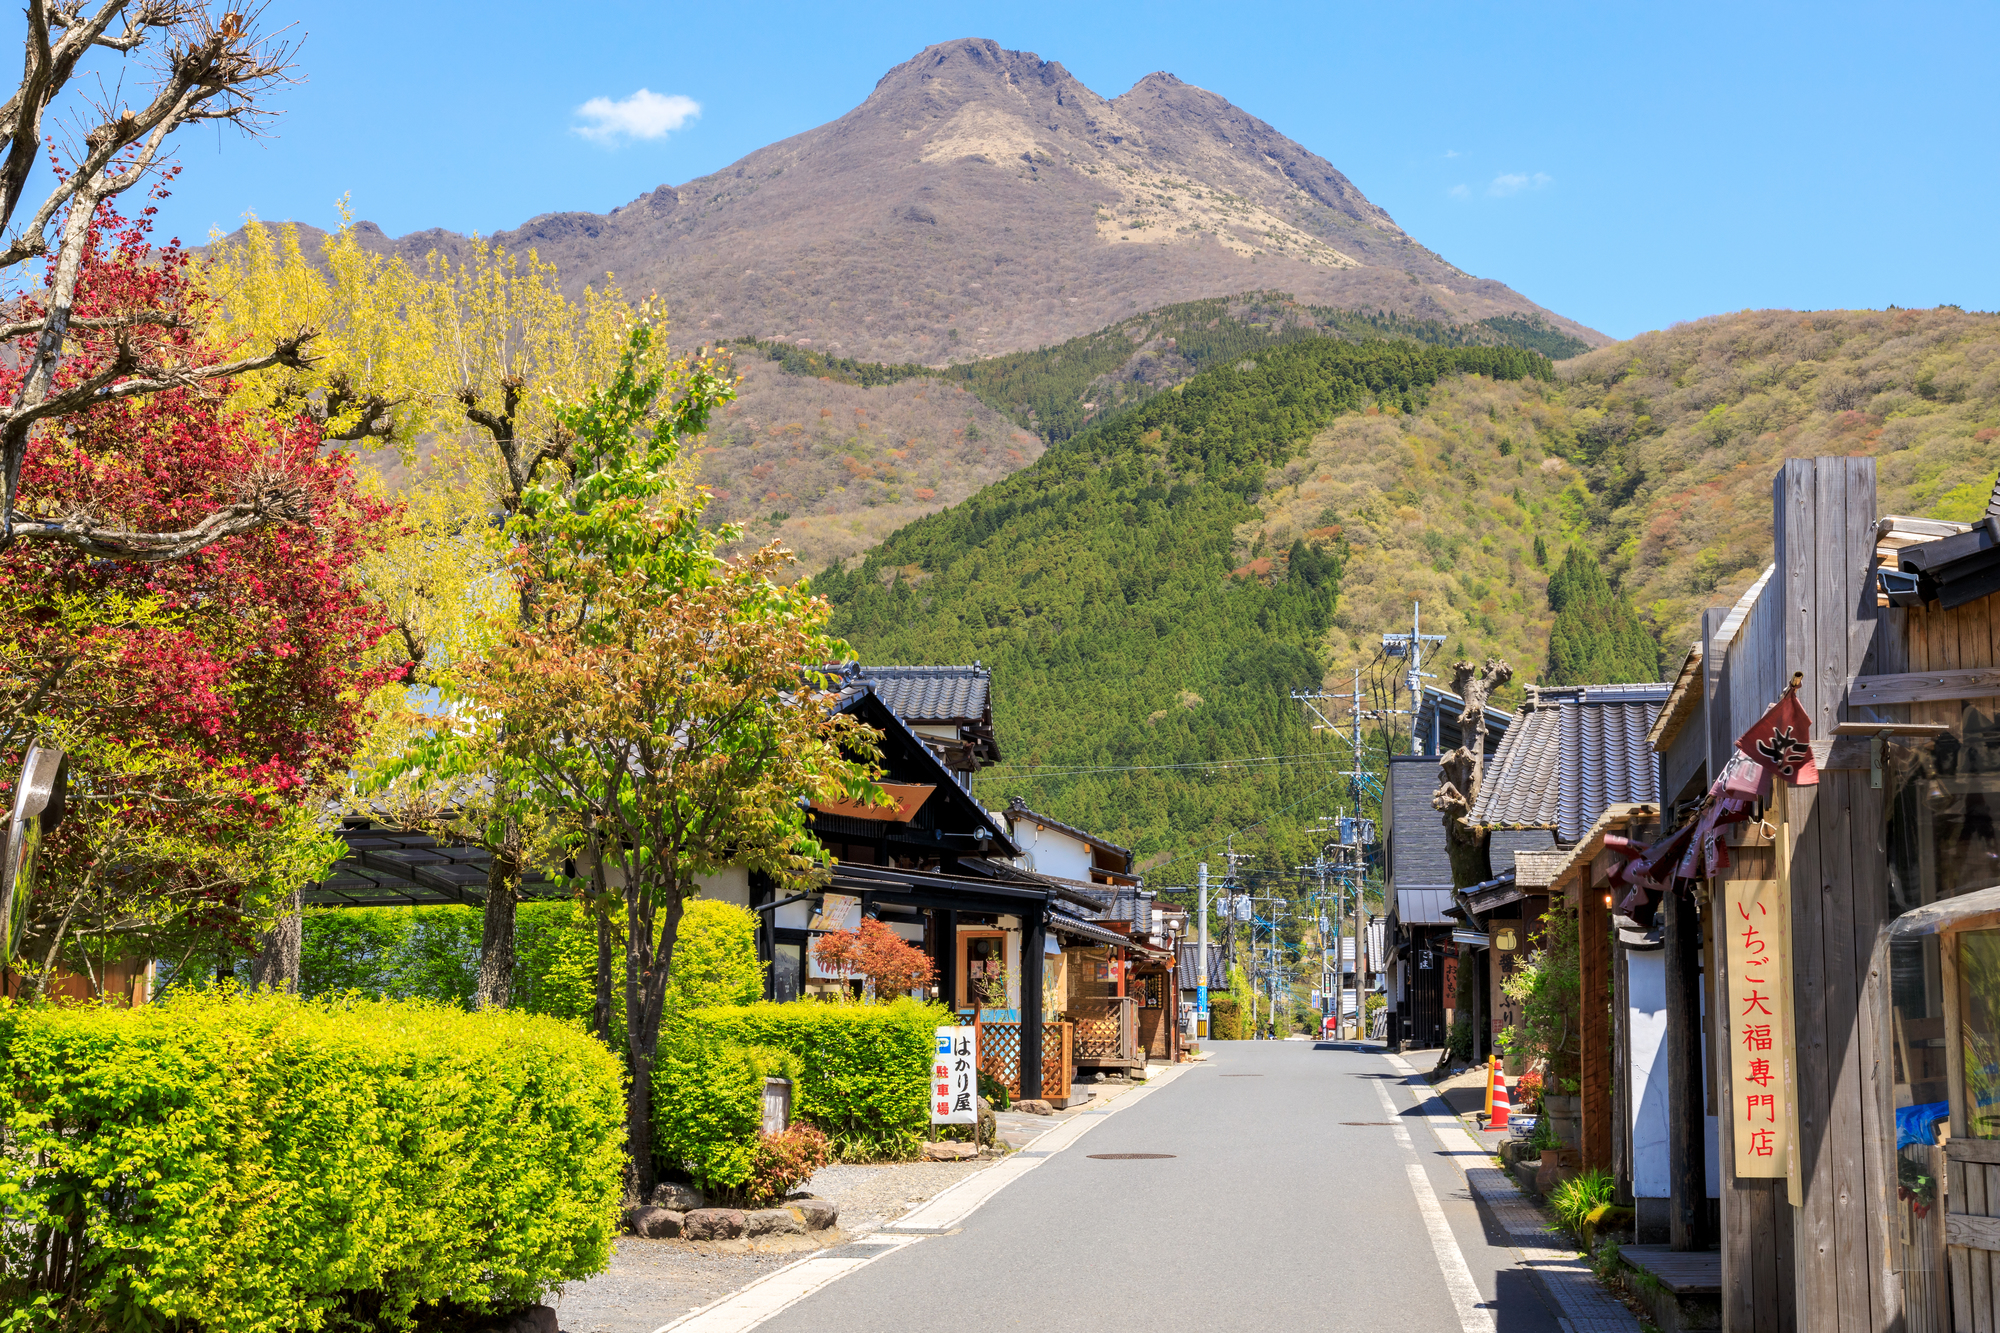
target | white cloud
[
  {"x": 643, "y": 115},
  {"x": 1451, "y": 152},
  {"x": 1514, "y": 183},
  {"x": 1459, "y": 192}
]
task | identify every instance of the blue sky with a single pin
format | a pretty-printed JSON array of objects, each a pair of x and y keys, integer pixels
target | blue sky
[{"x": 1626, "y": 165}]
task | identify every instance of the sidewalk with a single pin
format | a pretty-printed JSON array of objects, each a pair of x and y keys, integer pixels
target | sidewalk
[{"x": 1572, "y": 1288}]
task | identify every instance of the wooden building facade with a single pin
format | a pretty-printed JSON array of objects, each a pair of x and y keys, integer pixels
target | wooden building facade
[{"x": 1888, "y": 873}]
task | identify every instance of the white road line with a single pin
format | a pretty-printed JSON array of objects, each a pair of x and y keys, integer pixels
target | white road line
[
  {"x": 1473, "y": 1316},
  {"x": 765, "y": 1297},
  {"x": 743, "y": 1310}
]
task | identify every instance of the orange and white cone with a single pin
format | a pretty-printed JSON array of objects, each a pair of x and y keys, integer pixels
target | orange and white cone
[{"x": 1500, "y": 1108}]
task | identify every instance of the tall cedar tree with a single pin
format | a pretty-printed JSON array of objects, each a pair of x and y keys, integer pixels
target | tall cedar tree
[
  {"x": 207, "y": 702},
  {"x": 1597, "y": 638}
]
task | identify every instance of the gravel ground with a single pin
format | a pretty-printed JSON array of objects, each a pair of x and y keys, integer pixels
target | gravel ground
[{"x": 652, "y": 1282}]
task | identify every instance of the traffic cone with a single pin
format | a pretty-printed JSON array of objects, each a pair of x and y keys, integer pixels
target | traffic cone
[
  {"x": 1500, "y": 1107},
  {"x": 1492, "y": 1072}
]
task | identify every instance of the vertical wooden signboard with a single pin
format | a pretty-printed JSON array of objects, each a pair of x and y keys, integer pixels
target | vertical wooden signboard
[{"x": 1759, "y": 1026}]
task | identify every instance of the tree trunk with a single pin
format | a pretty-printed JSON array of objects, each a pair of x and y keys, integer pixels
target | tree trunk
[
  {"x": 601, "y": 1013},
  {"x": 276, "y": 966},
  {"x": 496, "y": 940},
  {"x": 1461, "y": 772},
  {"x": 646, "y": 971}
]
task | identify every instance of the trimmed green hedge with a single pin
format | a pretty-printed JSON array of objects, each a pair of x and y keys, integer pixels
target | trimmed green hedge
[
  {"x": 865, "y": 1076},
  {"x": 432, "y": 953},
  {"x": 259, "y": 1163},
  {"x": 709, "y": 1105}
]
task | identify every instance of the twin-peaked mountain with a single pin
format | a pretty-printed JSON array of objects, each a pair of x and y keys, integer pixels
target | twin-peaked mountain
[{"x": 983, "y": 201}]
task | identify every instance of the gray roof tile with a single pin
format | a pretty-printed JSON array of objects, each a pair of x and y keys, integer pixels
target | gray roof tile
[
  {"x": 933, "y": 694},
  {"x": 1575, "y": 750}
]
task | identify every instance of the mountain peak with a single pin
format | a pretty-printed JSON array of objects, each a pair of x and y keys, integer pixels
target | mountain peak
[{"x": 983, "y": 200}]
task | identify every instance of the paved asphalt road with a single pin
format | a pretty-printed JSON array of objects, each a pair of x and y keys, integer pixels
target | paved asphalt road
[{"x": 1271, "y": 1214}]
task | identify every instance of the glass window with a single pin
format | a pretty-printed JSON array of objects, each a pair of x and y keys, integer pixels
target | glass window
[
  {"x": 1942, "y": 793},
  {"x": 787, "y": 971}
]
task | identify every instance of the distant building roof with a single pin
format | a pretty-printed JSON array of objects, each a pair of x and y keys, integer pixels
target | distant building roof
[
  {"x": 1575, "y": 750},
  {"x": 1017, "y": 811},
  {"x": 1423, "y": 907},
  {"x": 1437, "y": 724},
  {"x": 1218, "y": 976},
  {"x": 1417, "y": 855},
  {"x": 936, "y": 696},
  {"x": 390, "y": 867}
]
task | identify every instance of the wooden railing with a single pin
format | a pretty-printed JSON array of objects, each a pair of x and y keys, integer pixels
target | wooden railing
[{"x": 1107, "y": 1029}]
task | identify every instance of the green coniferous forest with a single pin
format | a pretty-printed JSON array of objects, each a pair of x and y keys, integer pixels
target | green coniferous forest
[
  {"x": 1097, "y": 584},
  {"x": 1057, "y": 391},
  {"x": 1597, "y": 638}
]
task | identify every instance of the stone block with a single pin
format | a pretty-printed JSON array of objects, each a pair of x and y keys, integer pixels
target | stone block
[
  {"x": 713, "y": 1224},
  {"x": 815, "y": 1214},
  {"x": 678, "y": 1198},
  {"x": 653, "y": 1223},
  {"x": 772, "y": 1222},
  {"x": 1034, "y": 1106},
  {"x": 949, "y": 1152}
]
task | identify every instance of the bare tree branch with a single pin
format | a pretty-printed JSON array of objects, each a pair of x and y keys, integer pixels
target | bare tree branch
[
  {"x": 275, "y": 501},
  {"x": 205, "y": 71}
]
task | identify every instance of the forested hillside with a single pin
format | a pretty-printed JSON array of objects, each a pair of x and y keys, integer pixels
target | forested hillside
[
  {"x": 831, "y": 454},
  {"x": 1656, "y": 455},
  {"x": 1096, "y": 583},
  {"x": 1149, "y": 590}
]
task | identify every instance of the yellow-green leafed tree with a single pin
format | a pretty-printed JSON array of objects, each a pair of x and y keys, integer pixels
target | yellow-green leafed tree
[{"x": 458, "y": 367}]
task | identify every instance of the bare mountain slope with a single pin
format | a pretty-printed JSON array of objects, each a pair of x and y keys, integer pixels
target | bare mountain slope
[{"x": 982, "y": 201}]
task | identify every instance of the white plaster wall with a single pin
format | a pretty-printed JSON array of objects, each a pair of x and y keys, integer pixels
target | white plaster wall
[
  {"x": 1050, "y": 852},
  {"x": 1651, "y": 1168},
  {"x": 731, "y": 885},
  {"x": 1646, "y": 985}
]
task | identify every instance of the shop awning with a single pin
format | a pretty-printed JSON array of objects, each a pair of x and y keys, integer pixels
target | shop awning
[{"x": 1078, "y": 929}]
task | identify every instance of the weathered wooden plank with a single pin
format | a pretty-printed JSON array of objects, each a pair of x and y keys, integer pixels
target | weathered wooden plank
[
  {"x": 1961, "y": 1288},
  {"x": 1985, "y": 1151},
  {"x": 1981, "y": 1271},
  {"x": 1913, "y": 687},
  {"x": 1594, "y": 976},
  {"x": 1979, "y": 1233},
  {"x": 1840, "y": 1149},
  {"x": 1796, "y": 512}
]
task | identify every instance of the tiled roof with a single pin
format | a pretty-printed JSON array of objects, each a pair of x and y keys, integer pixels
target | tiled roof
[
  {"x": 1218, "y": 976},
  {"x": 932, "y": 694},
  {"x": 390, "y": 867},
  {"x": 1537, "y": 870},
  {"x": 1681, "y": 703},
  {"x": 1575, "y": 750}
]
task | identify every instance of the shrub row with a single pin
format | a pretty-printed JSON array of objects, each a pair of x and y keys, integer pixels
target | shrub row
[
  {"x": 864, "y": 1069},
  {"x": 708, "y": 1104},
  {"x": 263, "y": 1163},
  {"x": 432, "y": 953}
]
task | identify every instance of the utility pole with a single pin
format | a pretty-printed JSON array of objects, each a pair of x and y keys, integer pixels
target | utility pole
[
  {"x": 1201, "y": 957},
  {"x": 1411, "y": 647}
]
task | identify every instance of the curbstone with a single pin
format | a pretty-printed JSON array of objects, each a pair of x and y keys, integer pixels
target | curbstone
[
  {"x": 949, "y": 1152},
  {"x": 816, "y": 1214},
  {"x": 652, "y": 1223}
]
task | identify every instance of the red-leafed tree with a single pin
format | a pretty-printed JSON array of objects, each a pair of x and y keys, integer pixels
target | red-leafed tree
[
  {"x": 207, "y": 702},
  {"x": 877, "y": 953}
]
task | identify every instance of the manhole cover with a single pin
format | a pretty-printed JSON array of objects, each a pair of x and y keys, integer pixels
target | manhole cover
[{"x": 1128, "y": 1156}]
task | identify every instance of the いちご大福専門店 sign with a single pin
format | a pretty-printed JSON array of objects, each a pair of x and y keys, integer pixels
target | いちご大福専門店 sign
[{"x": 1760, "y": 1027}]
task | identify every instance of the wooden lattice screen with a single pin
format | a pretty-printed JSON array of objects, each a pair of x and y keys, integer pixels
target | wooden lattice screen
[{"x": 1000, "y": 1056}]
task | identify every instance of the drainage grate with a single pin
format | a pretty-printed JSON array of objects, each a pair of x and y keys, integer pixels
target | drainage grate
[
  {"x": 1128, "y": 1156},
  {"x": 1368, "y": 1122}
]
